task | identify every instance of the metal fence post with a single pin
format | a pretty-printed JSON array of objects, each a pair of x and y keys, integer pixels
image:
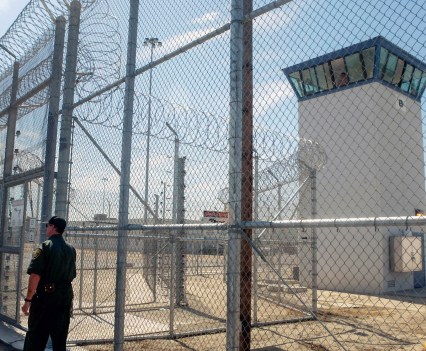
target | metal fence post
[
  {"x": 52, "y": 125},
  {"x": 21, "y": 257},
  {"x": 180, "y": 218},
  {"x": 10, "y": 145},
  {"x": 313, "y": 176},
  {"x": 172, "y": 284},
  {"x": 175, "y": 174},
  {"x": 95, "y": 274},
  {"x": 234, "y": 197},
  {"x": 7, "y": 167},
  {"x": 80, "y": 294},
  {"x": 154, "y": 246},
  {"x": 246, "y": 178},
  {"x": 126, "y": 147},
  {"x": 67, "y": 110},
  {"x": 256, "y": 218}
]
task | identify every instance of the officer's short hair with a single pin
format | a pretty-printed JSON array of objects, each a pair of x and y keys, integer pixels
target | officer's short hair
[{"x": 59, "y": 223}]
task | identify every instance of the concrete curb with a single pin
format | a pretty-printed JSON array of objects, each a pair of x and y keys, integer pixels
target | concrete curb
[
  {"x": 15, "y": 337},
  {"x": 12, "y": 336}
]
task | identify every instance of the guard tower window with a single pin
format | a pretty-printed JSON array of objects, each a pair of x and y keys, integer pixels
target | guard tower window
[
  {"x": 422, "y": 84},
  {"x": 338, "y": 67},
  {"x": 368, "y": 57},
  {"x": 297, "y": 82},
  {"x": 390, "y": 69},
  {"x": 398, "y": 72},
  {"x": 415, "y": 82},
  {"x": 406, "y": 78},
  {"x": 355, "y": 69},
  {"x": 359, "y": 63},
  {"x": 324, "y": 80}
]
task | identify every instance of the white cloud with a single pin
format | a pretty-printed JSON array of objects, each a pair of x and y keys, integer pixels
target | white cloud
[
  {"x": 270, "y": 94},
  {"x": 9, "y": 11},
  {"x": 5, "y": 5},
  {"x": 172, "y": 43},
  {"x": 207, "y": 17}
]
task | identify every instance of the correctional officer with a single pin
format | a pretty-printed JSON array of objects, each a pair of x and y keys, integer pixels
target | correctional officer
[{"x": 49, "y": 296}]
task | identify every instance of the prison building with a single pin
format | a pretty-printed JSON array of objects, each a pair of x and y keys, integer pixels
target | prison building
[{"x": 362, "y": 105}]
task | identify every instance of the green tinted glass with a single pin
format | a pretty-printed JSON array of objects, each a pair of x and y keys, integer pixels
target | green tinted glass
[
  {"x": 398, "y": 72},
  {"x": 322, "y": 80},
  {"x": 383, "y": 59},
  {"x": 295, "y": 79},
  {"x": 406, "y": 78},
  {"x": 389, "y": 71},
  {"x": 415, "y": 82},
  {"x": 354, "y": 65},
  {"x": 368, "y": 56}
]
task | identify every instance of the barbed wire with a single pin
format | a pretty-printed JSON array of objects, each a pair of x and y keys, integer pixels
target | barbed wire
[
  {"x": 99, "y": 57},
  {"x": 307, "y": 156},
  {"x": 32, "y": 29},
  {"x": 99, "y": 51}
]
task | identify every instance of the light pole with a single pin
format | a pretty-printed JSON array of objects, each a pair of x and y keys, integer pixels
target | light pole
[
  {"x": 103, "y": 195},
  {"x": 153, "y": 42}
]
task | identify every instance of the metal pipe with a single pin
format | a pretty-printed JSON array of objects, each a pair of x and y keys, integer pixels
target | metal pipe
[
  {"x": 67, "y": 110},
  {"x": 21, "y": 257},
  {"x": 154, "y": 253},
  {"x": 8, "y": 51},
  {"x": 179, "y": 247},
  {"x": 256, "y": 217},
  {"x": 80, "y": 294},
  {"x": 164, "y": 202},
  {"x": 85, "y": 131},
  {"x": 313, "y": 177},
  {"x": 233, "y": 325},
  {"x": 148, "y": 140},
  {"x": 95, "y": 276},
  {"x": 246, "y": 179},
  {"x": 22, "y": 98},
  {"x": 172, "y": 286},
  {"x": 10, "y": 146},
  {"x": 290, "y": 200},
  {"x": 175, "y": 173},
  {"x": 405, "y": 221},
  {"x": 126, "y": 148},
  {"x": 259, "y": 12}
]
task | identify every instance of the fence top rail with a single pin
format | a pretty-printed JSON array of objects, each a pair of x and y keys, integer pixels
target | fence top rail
[
  {"x": 303, "y": 223},
  {"x": 153, "y": 227},
  {"x": 339, "y": 222},
  {"x": 252, "y": 15},
  {"x": 142, "y": 236}
]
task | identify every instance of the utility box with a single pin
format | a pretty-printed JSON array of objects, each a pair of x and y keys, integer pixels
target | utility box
[{"x": 405, "y": 254}]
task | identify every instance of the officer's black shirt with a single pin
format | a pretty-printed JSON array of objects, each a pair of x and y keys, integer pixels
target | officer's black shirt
[{"x": 54, "y": 260}]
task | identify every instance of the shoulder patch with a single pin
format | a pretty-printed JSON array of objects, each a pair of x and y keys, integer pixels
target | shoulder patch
[{"x": 37, "y": 252}]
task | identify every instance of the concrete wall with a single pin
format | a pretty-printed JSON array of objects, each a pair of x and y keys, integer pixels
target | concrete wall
[{"x": 375, "y": 167}]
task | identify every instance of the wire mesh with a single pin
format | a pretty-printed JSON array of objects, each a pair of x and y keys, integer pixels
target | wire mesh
[{"x": 334, "y": 90}]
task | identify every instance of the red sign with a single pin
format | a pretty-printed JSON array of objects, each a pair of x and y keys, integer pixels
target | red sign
[{"x": 217, "y": 214}]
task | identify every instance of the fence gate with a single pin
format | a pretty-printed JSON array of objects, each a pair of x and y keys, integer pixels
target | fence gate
[{"x": 21, "y": 231}]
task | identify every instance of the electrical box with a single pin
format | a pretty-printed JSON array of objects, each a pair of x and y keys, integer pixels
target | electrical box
[{"x": 405, "y": 254}]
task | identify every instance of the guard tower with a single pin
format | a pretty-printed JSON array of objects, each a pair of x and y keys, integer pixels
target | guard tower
[{"x": 362, "y": 105}]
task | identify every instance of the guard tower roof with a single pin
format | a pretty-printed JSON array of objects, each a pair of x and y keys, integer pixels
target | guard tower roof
[{"x": 376, "y": 59}]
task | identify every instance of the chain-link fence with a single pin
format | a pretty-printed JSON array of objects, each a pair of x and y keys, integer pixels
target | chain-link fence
[{"x": 236, "y": 175}]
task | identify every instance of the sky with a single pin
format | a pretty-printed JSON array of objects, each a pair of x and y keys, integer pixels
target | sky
[
  {"x": 9, "y": 10},
  {"x": 198, "y": 81}
]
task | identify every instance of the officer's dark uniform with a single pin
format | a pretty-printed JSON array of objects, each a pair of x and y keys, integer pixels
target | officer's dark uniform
[{"x": 51, "y": 307}]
